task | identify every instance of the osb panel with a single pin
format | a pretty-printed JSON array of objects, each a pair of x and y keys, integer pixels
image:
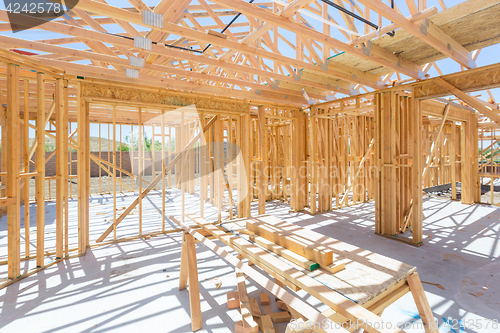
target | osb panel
[{"x": 476, "y": 30}]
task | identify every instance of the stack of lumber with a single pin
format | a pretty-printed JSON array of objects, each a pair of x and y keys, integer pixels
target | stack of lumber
[{"x": 369, "y": 281}]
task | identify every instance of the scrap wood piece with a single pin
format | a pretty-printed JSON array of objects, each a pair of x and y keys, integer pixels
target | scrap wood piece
[
  {"x": 249, "y": 323},
  {"x": 262, "y": 280},
  {"x": 330, "y": 297},
  {"x": 292, "y": 240},
  {"x": 233, "y": 300},
  {"x": 245, "y": 231},
  {"x": 434, "y": 284},
  {"x": 285, "y": 253},
  {"x": 155, "y": 181},
  {"x": 281, "y": 305}
]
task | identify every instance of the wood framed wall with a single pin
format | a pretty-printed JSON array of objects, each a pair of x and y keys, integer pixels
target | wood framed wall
[
  {"x": 277, "y": 152},
  {"x": 341, "y": 158}
]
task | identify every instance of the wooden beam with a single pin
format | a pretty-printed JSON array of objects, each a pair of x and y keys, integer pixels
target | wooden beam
[
  {"x": 294, "y": 241},
  {"x": 13, "y": 164},
  {"x": 416, "y": 171},
  {"x": 468, "y": 99},
  {"x": 159, "y": 50},
  {"x": 249, "y": 323},
  {"x": 285, "y": 253},
  {"x": 194, "y": 286},
  {"x": 378, "y": 54},
  {"x": 83, "y": 172},
  {"x": 424, "y": 309},
  {"x": 125, "y": 62},
  {"x": 61, "y": 140}
]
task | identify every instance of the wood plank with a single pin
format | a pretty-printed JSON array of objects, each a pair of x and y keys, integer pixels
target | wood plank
[
  {"x": 291, "y": 240},
  {"x": 26, "y": 144},
  {"x": 285, "y": 253},
  {"x": 424, "y": 309},
  {"x": 60, "y": 148},
  {"x": 249, "y": 323},
  {"x": 40, "y": 168},
  {"x": 416, "y": 172},
  {"x": 492, "y": 114},
  {"x": 280, "y": 317},
  {"x": 194, "y": 287},
  {"x": 13, "y": 161},
  {"x": 183, "y": 271},
  {"x": 263, "y": 182}
]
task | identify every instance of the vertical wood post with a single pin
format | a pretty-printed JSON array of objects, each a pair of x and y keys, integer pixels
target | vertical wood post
[
  {"x": 114, "y": 170},
  {"x": 194, "y": 287},
  {"x": 182, "y": 172},
  {"x": 424, "y": 309},
  {"x": 246, "y": 173},
  {"x": 13, "y": 164},
  {"x": 219, "y": 165},
  {"x": 163, "y": 184},
  {"x": 140, "y": 167},
  {"x": 416, "y": 172},
  {"x": 313, "y": 161},
  {"x": 263, "y": 163},
  {"x": 26, "y": 142},
  {"x": 183, "y": 271}
]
